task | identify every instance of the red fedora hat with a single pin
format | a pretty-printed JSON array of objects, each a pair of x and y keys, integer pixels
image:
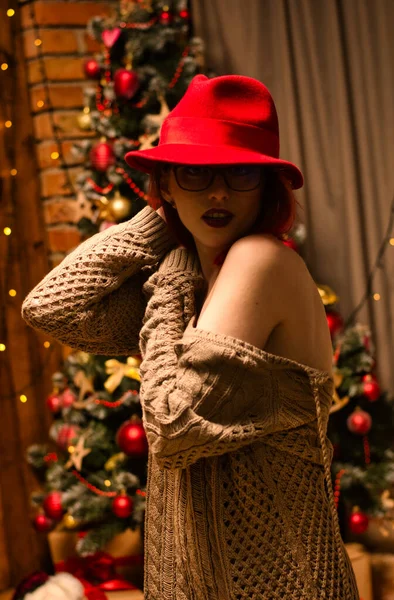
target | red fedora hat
[{"x": 224, "y": 120}]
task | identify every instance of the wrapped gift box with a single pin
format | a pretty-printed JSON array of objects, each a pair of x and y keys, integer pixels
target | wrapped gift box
[{"x": 127, "y": 544}]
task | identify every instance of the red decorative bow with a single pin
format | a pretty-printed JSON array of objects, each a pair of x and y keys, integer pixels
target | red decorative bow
[{"x": 97, "y": 572}]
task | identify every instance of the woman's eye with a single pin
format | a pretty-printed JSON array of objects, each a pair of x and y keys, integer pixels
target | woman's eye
[
  {"x": 239, "y": 171},
  {"x": 195, "y": 171}
]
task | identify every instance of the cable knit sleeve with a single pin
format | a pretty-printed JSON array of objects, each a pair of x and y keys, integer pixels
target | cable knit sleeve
[
  {"x": 93, "y": 300},
  {"x": 203, "y": 393}
]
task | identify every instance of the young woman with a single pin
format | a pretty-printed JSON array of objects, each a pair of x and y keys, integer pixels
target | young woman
[{"x": 236, "y": 373}]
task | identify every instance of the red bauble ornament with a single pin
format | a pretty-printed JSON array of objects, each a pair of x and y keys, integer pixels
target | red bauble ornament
[
  {"x": 68, "y": 398},
  {"x": 52, "y": 506},
  {"x": 102, "y": 156},
  {"x": 359, "y": 422},
  {"x": 122, "y": 506},
  {"x": 131, "y": 439},
  {"x": 290, "y": 243},
  {"x": 165, "y": 17},
  {"x": 54, "y": 403},
  {"x": 66, "y": 435},
  {"x": 92, "y": 69},
  {"x": 358, "y": 522},
  {"x": 184, "y": 14},
  {"x": 371, "y": 388},
  {"x": 42, "y": 523},
  {"x": 335, "y": 322},
  {"x": 126, "y": 83}
]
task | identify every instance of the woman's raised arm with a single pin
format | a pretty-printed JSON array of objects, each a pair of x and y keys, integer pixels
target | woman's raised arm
[{"x": 93, "y": 300}]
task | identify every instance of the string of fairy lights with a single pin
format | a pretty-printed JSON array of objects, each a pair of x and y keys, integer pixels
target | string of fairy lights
[
  {"x": 45, "y": 103},
  {"x": 8, "y": 62}
]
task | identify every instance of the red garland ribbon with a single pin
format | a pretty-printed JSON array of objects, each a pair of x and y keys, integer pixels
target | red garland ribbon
[{"x": 97, "y": 572}]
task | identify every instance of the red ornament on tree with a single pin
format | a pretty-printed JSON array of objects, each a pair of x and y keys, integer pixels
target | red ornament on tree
[
  {"x": 54, "y": 403},
  {"x": 131, "y": 439},
  {"x": 122, "y": 506},
  {"x": 110, "y": 36},
  {"x": 184, "y": 14},
  {"x": 165, "y": 17},
  {"x": 126, "y": 83},
  {"x": 102, "y": 156},
  {"x": 42, "y": 523},
  {"x": 359, "y": 422},
  {"x": 92, "y": 69},
  {"x": 358, "y": 522},
  {"x": 335, "y": 322},
  {"x": 371, "y": 388},
  {"x": 68, "y": 398},
  {"x": 52, "y": 506},
  {"x": 66, "y": 435}
]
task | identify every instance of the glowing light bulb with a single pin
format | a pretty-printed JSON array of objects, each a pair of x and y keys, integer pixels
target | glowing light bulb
[
  {"x": 4, "y": 66},
  {"x": 8, "y": 124},
  {"x": 392, "y": 241},
  {"x": 12, "y": 293},
  {"x": 13, "y": 172},
  {"x": 10, "y": 12},
  {"x": 55, "y": 155},
  {"x": 2, "y": 347},
  {"x": 376, "y": 297},
  {"x": 7, "y": 230},
  {"x": 47, "y": 344},
  {"x": 107, "y": 483},
  {"x": 37, "y": 42},
  {"x": 23, "y": 398},
  {"x": 40, "y": 103}
]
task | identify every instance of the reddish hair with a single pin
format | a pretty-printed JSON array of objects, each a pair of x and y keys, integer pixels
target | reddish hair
[{"x": 277, "y": 214}]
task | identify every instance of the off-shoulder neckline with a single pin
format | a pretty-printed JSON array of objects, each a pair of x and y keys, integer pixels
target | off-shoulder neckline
[{"x": 228, "y": 340}]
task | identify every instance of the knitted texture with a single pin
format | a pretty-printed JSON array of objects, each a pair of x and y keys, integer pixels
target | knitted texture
[
  {"x": 93, "y": 300},
  {"x": 239, "y": 496},
  {"x": 240, "y": 502}
]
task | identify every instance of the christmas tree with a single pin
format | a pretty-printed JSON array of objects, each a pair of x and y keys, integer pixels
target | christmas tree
[
  {"x": 147, "y": 63},
  {"x": 361, "y": 424},
  {"x": 94, "y": 473},
  {"x": 361, "y": 429}
]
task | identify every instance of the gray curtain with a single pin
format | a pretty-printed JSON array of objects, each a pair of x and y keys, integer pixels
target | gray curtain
[{"x": 329, "y": 65}]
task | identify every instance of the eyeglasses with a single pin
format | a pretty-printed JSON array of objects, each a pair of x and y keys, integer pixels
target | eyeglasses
[{"x": 239, "y": 178}]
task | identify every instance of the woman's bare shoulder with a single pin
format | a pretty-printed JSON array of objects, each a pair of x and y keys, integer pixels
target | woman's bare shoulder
[
  {"x": 263, "y": 250},
  {"x": 292, "y": 301}
]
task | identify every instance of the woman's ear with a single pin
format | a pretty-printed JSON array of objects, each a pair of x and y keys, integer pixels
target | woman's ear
[{"x": 164, "y": 181}]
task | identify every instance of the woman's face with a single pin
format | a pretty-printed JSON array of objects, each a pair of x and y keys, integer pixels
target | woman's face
[{"x": 191, "y": 206}]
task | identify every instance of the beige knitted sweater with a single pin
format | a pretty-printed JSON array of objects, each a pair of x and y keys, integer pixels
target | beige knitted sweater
[{"x": 239, "y": 498}]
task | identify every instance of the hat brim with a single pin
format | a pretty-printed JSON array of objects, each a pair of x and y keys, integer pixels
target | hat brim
[{"x": 187, "y": 154}]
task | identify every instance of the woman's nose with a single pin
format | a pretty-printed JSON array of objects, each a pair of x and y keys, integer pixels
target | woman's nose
[{"x": 218, "y": 188}]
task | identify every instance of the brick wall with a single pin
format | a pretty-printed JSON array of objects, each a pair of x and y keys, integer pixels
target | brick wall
[{"x": 65, "y": 47}]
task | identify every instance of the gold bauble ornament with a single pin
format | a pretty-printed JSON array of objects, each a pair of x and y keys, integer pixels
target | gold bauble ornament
[
  {"x": 327, "y": 295},
  {"x": 119, "y": 206},
  {"x": 69, "y": 522},
  {"x": 84, "y": 119}
]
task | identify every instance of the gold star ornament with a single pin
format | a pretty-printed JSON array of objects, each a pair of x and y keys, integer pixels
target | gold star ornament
[{"x": 78, "y": 454}]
